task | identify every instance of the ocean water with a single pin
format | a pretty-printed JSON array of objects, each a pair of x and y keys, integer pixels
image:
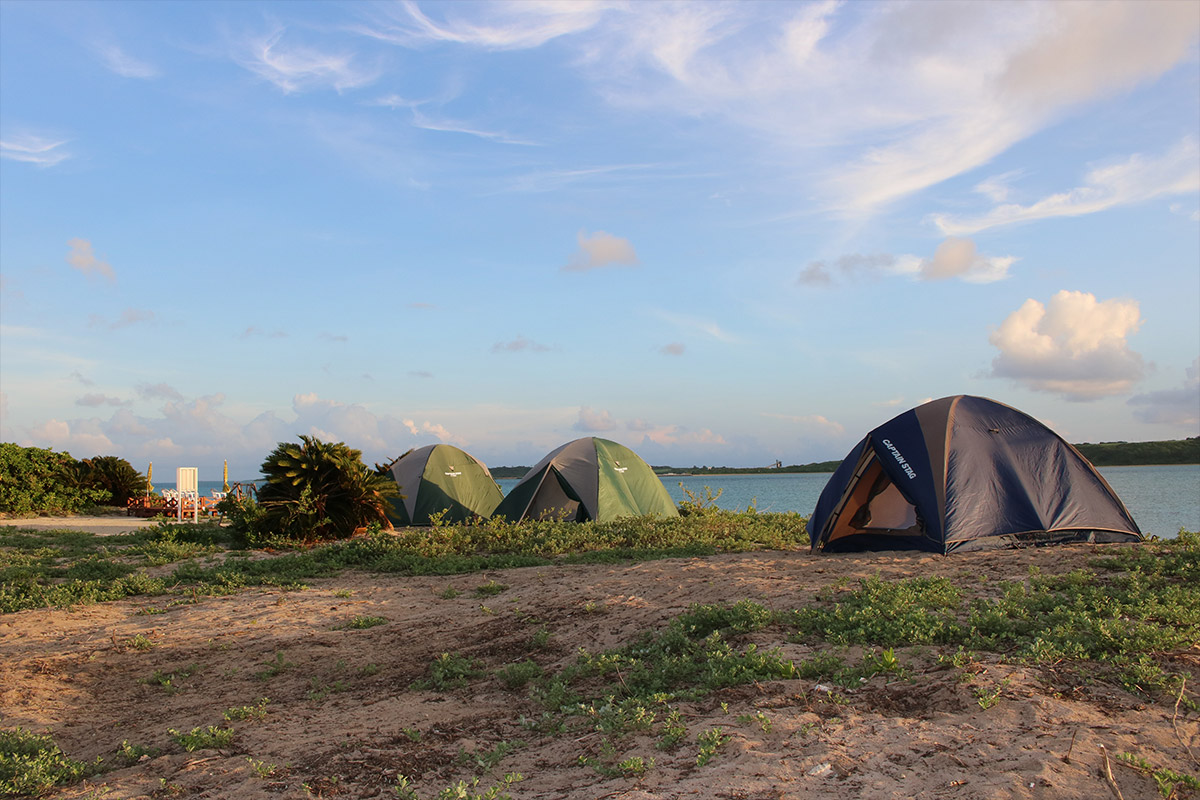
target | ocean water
[{"x": 1162, "y": 499}]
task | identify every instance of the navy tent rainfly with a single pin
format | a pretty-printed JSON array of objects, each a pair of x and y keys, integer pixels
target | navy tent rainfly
[{"x": 965, "y": 473}]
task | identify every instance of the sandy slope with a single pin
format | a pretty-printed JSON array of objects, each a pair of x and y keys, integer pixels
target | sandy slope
[{"x": 343, "y": 721}]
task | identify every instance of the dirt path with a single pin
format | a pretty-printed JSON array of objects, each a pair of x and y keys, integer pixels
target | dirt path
[{"x": 330, "y": 709}]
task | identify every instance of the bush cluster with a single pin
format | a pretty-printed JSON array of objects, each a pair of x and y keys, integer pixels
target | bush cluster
[
  {"x": 34, "y": 481},
  {"x": 317, "y": 491}
]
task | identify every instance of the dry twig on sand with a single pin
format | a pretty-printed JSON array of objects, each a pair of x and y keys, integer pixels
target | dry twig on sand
[{"x": 1108, "y": 774}]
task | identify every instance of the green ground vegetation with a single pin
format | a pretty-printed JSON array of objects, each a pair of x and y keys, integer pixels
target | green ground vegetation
[
  {"x": 1118, "y": 621},
  {"x": 57, "y": 569}
]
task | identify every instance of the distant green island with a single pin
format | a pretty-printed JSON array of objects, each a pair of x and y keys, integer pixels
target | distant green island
[{"x": 1102, "y": 454}]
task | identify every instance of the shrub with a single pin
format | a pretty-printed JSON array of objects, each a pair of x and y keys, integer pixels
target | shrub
[
  {"x": 33, "y": 481},
  {"x": 317, "y": 491},
  {"x": 114, "y": 475},
  {"x": 31, "y": 764}
]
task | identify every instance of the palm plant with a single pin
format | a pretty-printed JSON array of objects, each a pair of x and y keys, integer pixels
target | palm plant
[
  {"x": 317, "y": 490},
  {"x": 114, "y": 475}
]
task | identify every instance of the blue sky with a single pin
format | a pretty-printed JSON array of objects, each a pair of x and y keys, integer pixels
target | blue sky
[{"x": 718, "y": 233}]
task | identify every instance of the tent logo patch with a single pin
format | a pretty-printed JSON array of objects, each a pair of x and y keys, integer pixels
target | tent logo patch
[{"x": 900, "y": 459}]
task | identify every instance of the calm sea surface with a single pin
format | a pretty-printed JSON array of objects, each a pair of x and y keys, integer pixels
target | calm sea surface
[{"x": 1162, "y": 499}]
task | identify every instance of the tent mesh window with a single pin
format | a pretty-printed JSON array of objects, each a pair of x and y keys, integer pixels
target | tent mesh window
[{"x": 876, "y": 506}]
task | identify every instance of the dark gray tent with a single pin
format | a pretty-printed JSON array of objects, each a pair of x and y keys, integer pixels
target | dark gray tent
[
  {"x": 965, "y": 473},
  {"x": 441, "y": 479},
  {"x": 586, "y": 479}
]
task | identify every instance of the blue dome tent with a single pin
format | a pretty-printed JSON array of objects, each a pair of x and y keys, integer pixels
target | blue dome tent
[{"x": 965, "y": 473}]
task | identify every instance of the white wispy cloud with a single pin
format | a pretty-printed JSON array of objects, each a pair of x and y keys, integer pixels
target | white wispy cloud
[
  {"x": 428, "y": 123},
  {"x": 812, "y": 423},
  {"x": 707, "y": 327},
  {"x": 130, "y": 316},
  {"x": 552, "y": 180},
  {"x": 997, "y": 188},
  {"x": 1134, "y": 180},
  {"x": 1039, "y": 62},
  {"x": 520, "y": 345},
  {"x": 1074, "y": 345},
  {"x": 125, "y": 65},
  {"x": 296, "y": 67},
  {"x": 94, "y": 400},
  {"x": 515, "y": 25},
  {"x": 34, "y": 149},
  {"x": 905, "y": 94}
]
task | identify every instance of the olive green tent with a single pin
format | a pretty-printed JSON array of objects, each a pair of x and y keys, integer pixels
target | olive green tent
[
  {"x": 586, "y": 479},
  {"x": 441, "y": 479}
]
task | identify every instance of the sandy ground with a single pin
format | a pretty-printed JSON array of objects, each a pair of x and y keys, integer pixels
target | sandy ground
[
  {"x": 100, "y": 525},
  {"x": 342, "y": 718}
]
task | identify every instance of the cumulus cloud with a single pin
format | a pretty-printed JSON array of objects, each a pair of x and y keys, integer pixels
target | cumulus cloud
[
  {"x": 82, "y": 436},
  {"x": 519, "y": 345},
  {"x": 958, "y": 258},
  {"x": 857, "y": 266},
  {"x": 83, "y": 259},
  {"x": 36, "y": 150},
  {"x": 594, "y": 421},
  {"x": 676, "y": 435},
  {"x": 953, "y": 258},
  {"x": 1134, "y": 180},
  {"x": 158, "y": 391},
  {"x": 1074, "y": 345},
  {"x": 295, "y": 67},
  {"x": 815, "y": 274},
  {"x": 1180, "y": 406},
  {"x": 601, "y": 250}
]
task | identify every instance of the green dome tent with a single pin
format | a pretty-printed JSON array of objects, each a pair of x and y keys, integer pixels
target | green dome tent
[
  {"x": 441, "y": 478},
  {"x": 588, "y": 479}
]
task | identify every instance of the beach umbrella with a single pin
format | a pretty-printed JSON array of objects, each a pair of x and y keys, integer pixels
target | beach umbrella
[
  {"x": 149, "y": 479},
  {"x": 225, "y": 477}
]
